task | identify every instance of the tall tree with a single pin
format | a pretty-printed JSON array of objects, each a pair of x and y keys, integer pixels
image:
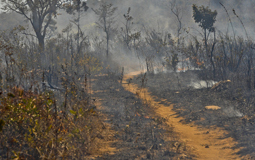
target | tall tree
[
  {"x": 106, "y": 20},
  {"x": 77, "y": 8},
  {"x": 129, "y": 36},
  {"x": 38, "y": 12},
  {"x": 177, "y": 11},
  {"x": 126, "y": 30},
  {"x": 206, "y": 18}
]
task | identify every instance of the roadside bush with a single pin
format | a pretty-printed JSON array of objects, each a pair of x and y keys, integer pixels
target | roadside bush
[{"x": 33, "y": 127}]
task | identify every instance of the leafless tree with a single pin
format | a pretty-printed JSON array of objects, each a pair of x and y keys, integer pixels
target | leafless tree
[
  {"x": 130, "y": 35},
  {"x": 106, "y": 21},
  {"x": 126, "y": 29},
  {"x": 177, "y": 11},
  {"x": 77, "y": 8}
]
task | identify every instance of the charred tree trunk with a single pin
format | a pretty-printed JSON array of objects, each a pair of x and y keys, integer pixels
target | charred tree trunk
[
  {"x": 249, "y": 74},
  {"x": 205, "y": 42},
  {"x": 107, "y": 43},
  {"x": 211, "y": 57}
]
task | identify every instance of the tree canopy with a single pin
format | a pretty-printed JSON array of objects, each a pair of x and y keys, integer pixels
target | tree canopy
[
  {"x": 38, "y": 12},
  {"x": 205, "y": 17}
]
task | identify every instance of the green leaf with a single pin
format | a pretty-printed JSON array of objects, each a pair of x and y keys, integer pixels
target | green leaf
[{"x": 73, "y": 112}]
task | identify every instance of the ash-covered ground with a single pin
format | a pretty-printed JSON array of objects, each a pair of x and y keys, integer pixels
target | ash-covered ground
[
  {"x": 236, "y": 105},
  {"x": 139, "y": 134}
]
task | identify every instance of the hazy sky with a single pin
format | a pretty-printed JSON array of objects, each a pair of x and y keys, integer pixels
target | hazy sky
[{"x": 156, "y": 14}]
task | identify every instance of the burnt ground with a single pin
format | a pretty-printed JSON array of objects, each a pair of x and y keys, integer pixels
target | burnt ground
[
  {"x": 138, "y": 134},
  {"x": 236, "y": 115}
]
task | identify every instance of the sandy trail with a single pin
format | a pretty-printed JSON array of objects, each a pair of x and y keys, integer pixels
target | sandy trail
[{"x": 205, "y": 144}]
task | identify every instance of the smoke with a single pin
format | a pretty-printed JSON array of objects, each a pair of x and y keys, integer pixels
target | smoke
[
  {"x": 156, "y": 14},
  {"x": 199, "y": 84},
  {"x": 232, "y": 112}
]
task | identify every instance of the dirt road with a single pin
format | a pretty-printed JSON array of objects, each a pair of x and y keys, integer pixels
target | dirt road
[
  {"x": 206, "y": 144},
  {"x": 136, "y": 133}
]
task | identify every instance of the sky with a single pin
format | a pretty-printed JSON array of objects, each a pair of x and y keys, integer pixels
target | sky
[{"x": 156, "y": 14}]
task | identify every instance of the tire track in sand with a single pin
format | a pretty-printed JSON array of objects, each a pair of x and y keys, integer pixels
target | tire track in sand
[{"x": 205, "y": 144}]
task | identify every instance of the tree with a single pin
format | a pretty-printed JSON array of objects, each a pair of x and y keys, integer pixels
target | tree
[
  {"x": 129, "y": 36},
  {"x": 77, "y": 8},
  {"x": 126, "y": 30},
  {"x": 206, "y": 18},
  {"x": 177, "y": 11},
  {"x": 106, "y": 20},
  {"x": 38, "y": 12}
]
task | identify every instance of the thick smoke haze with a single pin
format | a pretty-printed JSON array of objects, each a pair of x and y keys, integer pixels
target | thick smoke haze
[{"x": 156, "y": 14}]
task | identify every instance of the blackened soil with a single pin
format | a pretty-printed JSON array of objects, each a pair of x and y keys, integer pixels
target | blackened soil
[
  {"x": 236, "y": 115},
  {"x": 137, "y": 134}
]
